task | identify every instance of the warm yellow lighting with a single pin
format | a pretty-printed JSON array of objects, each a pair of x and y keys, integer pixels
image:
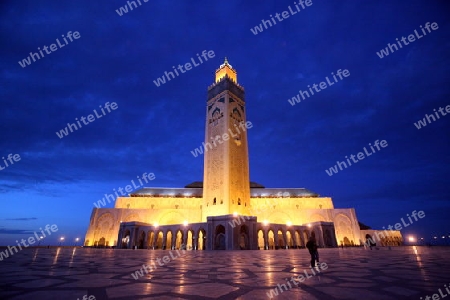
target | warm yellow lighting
[
  {"x": 265, "y": 222},
  {"x": 309, "y": 225},
  {"x": 411, "y": 239},
  {"x": 156, "y": 224},
  {"x": 235, "y": 214},
  {"x": 185, "y": 223},
  {"x": 226, "y": 69},
  {"x": 288, "y": 223}
]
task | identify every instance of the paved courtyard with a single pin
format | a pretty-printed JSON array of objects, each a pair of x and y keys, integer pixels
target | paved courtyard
[{"x": 352, "y": 273}]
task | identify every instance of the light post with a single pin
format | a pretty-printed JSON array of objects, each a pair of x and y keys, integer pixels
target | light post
[
  {"x": 61, "y": 240},
  {"x": 76, "y": 241},
  {"x": 412, "y": 240},
  {"x": 40, "y": 238}
]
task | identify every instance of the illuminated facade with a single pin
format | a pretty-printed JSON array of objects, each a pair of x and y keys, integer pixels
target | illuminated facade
[{"x": 226, "y": 210}]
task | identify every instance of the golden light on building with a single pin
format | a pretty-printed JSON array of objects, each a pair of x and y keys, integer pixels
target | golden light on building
[
  {"x": 217, "y": 202},
  {"x": 226, "y": 69}
]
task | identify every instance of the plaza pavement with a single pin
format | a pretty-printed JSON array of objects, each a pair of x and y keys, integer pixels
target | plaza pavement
[{"x": 353, "y": 273}]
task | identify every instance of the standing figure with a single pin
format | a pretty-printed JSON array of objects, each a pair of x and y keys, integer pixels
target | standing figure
[{"x": 312, "y": 247}]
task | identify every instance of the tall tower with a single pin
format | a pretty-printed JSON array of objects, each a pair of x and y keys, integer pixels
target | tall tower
[{"x": 226, "y": 184}]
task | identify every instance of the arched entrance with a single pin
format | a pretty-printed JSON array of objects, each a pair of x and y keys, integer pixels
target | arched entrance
[
  {"x": 347, "y": 242},
  {"x": 281, "y": 242},
  {"x": 126, "y": 240},
  {"x": 271, "y": 237},
  {"x": 159, "y": 241},
  {"x": 369, "y": 240},
  {"x": 260, "y": 239},
  {"x": 168, "y": 244},
  {"x": 179, "y": 240},
  {"x": 201, "y": 239},
  {"x": 150, "y": 239},
  {"x": 243, "y": 238},
  {"x": 219, "y": 238},
  {"x": 141, "y": 240},
  {"x": 305, "y": 236},
  {"x": 189, "y": 240},
  {"x": 289, "y": 242},
  {"x": 297, "y": 239}
]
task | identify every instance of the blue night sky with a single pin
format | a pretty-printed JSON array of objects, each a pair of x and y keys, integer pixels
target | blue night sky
[{"x": 116, "y": 58}]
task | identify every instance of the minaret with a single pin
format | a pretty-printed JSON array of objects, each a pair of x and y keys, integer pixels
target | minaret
[{"x": 226, "y": 184}]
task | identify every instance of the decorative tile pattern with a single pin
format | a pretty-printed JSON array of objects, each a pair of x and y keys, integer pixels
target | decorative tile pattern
[{"x": 353, "y": 273}]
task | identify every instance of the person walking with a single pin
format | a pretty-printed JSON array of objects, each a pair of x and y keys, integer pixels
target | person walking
[{"x": 312, "y": 247}]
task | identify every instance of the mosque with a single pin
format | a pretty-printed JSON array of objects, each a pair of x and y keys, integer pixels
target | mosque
[{"x": 226, "y": 211}]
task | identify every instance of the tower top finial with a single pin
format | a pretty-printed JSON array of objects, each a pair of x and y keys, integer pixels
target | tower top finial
[{"x": 226, "y": 69}]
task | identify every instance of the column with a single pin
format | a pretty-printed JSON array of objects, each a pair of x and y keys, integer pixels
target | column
[
  {"x": 286, "y": 245},
  {"x": 164, "y": 240}
]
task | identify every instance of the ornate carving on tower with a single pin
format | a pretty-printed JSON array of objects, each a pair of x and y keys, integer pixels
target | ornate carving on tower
[{"x": 226, "y": 153}]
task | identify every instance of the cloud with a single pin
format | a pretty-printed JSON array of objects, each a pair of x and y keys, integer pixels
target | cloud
[
  {"x": 15, "y": 231},
  {"x": 21, "y": 219}
]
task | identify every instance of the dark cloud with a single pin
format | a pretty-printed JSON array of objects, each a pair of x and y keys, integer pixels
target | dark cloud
[{"x": 15, "y": 231}]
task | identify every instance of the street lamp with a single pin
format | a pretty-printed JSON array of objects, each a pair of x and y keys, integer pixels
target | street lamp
[
  {"x": 61, "y": 240},
  {"x": 76, "y": 241},
  {"x": 40, "y": 238}
]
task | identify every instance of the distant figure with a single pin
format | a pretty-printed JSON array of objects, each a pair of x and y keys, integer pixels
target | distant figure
[
  {"x": 312, "y": 247},
  {"x": 342, "y": 245}
]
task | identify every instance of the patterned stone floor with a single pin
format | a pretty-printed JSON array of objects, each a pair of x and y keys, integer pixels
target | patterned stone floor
[{"x": 353, "y": 273}]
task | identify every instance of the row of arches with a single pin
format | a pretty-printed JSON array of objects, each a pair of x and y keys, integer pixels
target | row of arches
[
  {"x": 190, "y": 239},
  {"x": 384, "y": 241},
  {"x": 293, "y": 238},
  {"x": 165, "y": 239}
]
